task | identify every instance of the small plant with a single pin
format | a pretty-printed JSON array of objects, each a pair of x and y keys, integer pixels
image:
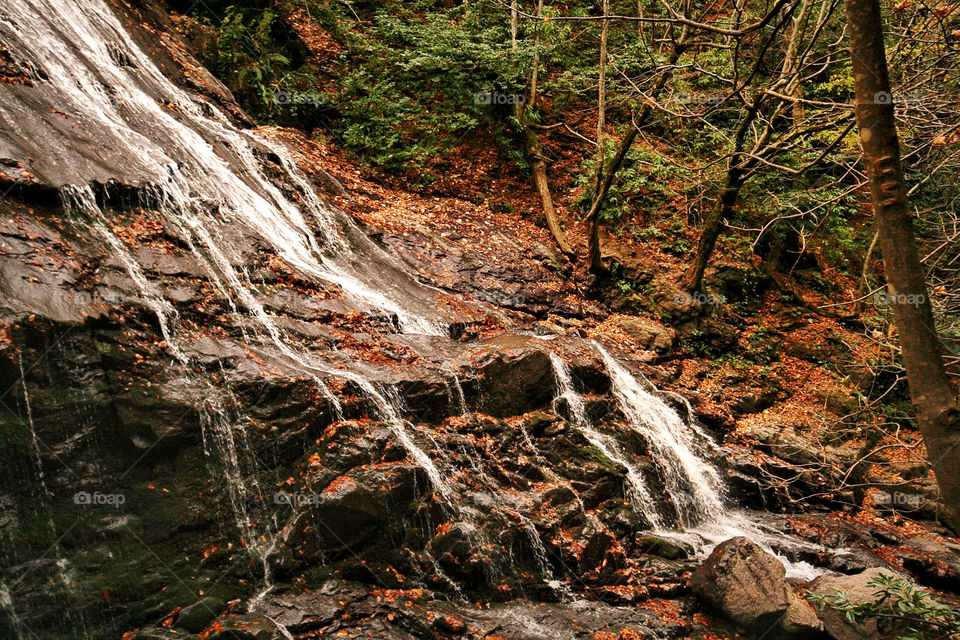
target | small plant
[
  {"x": 697, "y": 343},
  {"x": 763, "y": 350},
  {"x": 900, "y": 609}
]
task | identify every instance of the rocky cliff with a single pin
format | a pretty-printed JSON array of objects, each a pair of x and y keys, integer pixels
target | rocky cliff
[{"x": 233, "y": 410}]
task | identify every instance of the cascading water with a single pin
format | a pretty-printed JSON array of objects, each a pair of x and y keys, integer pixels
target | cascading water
[
  {"x": 680, "y": 451},
  {"x": 202, "y": 175},
  {"x": 455, "y": 393},
  {"x": 639, "y": 495},
  {"x": 693, "y": 483},
  {"x": 200, "y": 172},
  {"x": 193, "y": 159}
]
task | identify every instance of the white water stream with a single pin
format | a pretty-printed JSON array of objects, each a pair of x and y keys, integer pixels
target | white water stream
[
  {"x": 692, "y": 483},
  {"x": 205, "y": 175}
]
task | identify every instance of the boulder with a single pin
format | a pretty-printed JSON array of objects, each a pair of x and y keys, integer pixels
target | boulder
[
  {"x": 748, "y": 586},
  {"x": 354, "y": 509},
  {"x": 801, "y": 620},
  {"x": 515, "y": 375},
  {"x": 648, "y": 333},
  {"x": 934, "y": 564},
  {"x": 657, "y": 546},
  {"x": 835, "y": 622}
]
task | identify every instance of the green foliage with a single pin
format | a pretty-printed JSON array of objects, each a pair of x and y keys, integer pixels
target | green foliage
[
  {"x": 900, "y": 609},
  {"x": 763, "y": 349},
  {"x": 423, "y": 82},
  {"x": 647, "y": 183},
  {"x": 253, "y": 52},
  {"x": 697, "y": 343}
]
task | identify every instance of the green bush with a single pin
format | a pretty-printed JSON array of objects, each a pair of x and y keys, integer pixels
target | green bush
[
  {"x": 417, "y": 85},
  {"x": 254, "y": 52}
]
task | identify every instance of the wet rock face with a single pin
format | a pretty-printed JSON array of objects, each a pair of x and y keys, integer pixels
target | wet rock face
[{"x": 515, "y": 377}]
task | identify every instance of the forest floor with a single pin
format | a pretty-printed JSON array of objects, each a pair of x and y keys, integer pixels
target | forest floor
[{"x": 792, "y": 359}]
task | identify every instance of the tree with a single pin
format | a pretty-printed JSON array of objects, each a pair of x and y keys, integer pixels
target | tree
[
  {"x": 933, "y": 396},
  {"x": 606, "y": 176},
  {"x": 532, "y": 148}
]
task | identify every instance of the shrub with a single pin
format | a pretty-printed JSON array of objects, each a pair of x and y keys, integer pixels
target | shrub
[{"x": 899, "y": 609}]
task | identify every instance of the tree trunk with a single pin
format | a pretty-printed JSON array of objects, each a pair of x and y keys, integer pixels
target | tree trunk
[
  {"x": 535, "y": 67},
  {"x": 532, "y": 148},
  {"x": 722, "y": 210},
  {"x": 934, "y": 399},
  {"x": 725, "y": 204},
  {"x": 792, "y": 63},
  {"x": 534, "y": 153},
  {"x": 593, "y": 216},
  {"x": 602, "y": 98}
]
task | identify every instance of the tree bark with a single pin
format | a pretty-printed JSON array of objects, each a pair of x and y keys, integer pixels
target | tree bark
[
  {"x": 593, "y": 216},
  {"x": 792, "y": 64},
  {"x": 722, "y": 210},
  {"x": 534, "y": 152},
  {"x": 532, "y": 148},
  {"x": 725, "y": 204},
  {"x": 602, "y": 97},
  {"x": 934, "y": 398}
]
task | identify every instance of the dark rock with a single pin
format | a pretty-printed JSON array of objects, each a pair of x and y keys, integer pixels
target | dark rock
[
  {"x": 538, "y": 422},
  {"x": 159, "y": 633},
  {"x": 634, "y": 264},
  {"x": 597, "y": 545},
  {"x": 708, "y": 335},
  {"x": 356, "y": 507},
  {"x": 657, "y": 546},
  {"x": 737, "y": 284},
  {"x": 755, "y": 401},
  {"x": 197, "y": 617},
  {"x": 515, "y": 377},
  {"x": 935, "y": 565}
]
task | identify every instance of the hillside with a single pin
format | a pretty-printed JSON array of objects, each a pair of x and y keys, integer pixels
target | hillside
[{"x": 289, "y": 348}]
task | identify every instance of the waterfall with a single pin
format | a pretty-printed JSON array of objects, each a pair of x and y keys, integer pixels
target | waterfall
[
  {"x": 201, "y": 170},
  {"x": 34, "y": 442},
  {"x": 204, "y": 176},
  {"x": 458, "y": 401},
  {"x": 694, "y": 484},
  {"x": 639, "y": 495}
]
